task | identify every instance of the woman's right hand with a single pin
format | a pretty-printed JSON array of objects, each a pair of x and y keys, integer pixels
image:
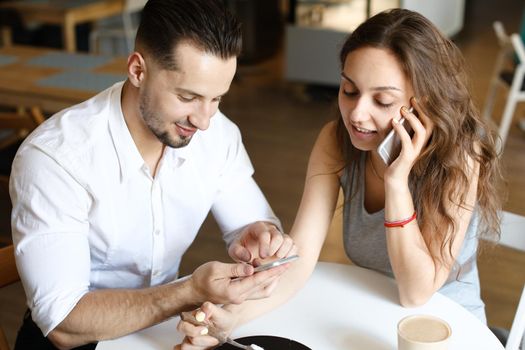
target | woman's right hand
[
  {"x": 196, "y": 336},
  {"x": 412, "y": 147}
]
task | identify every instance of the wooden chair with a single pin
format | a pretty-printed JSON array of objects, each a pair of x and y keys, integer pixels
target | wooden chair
[
  {"x": 8, "y": 275},
  {"x": 125, "y": 29},
  {"x": 17, "y": 125},
  {"x": 516, "y": 338},
  {"x": 509, "y": 72},
  {"x": 513, "y": 236},
  {"x": 503, "y": 67},
  {"x": 14, "y": 127},
  {"x": 5, "y": 37}
]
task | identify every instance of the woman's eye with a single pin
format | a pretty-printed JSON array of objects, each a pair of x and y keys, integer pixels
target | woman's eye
[
  {"x": 384, "y": 105},
  {"x": 350, "y": 93}
]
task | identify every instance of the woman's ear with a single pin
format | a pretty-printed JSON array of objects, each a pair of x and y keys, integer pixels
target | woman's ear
[{"x": 136, "y": 69}]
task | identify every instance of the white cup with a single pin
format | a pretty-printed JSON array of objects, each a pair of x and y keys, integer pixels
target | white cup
[{"x": 423, "y": 332}]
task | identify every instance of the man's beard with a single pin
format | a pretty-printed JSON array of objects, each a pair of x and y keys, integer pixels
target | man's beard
[{"x": 154, "y": 123}]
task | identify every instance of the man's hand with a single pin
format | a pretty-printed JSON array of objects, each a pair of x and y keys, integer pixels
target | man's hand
[
  {"x": 233, "y": 283},
  {"x": 259, "y": 241},
  {"x": 197, "y": 337}
]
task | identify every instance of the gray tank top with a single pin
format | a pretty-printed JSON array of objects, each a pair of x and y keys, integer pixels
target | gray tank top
[{"x": 365, "y": 243}]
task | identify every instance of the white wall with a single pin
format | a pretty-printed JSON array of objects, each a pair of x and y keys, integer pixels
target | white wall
[{"x": 447, "y": 15}]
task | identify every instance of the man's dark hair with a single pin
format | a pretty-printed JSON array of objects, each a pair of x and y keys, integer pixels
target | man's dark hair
[{"x": 206, "y": 24}]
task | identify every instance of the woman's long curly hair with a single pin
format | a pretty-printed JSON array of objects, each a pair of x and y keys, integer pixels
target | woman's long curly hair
[{"x": 435, "y": 67}]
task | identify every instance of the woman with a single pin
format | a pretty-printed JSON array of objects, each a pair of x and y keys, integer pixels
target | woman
[{"x": 419, "y": 218}]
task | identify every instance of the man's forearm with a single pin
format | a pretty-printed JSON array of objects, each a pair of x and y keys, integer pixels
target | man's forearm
[{"x": 111, "y": 313}]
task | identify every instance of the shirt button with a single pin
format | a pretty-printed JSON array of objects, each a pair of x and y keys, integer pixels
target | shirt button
[{"x": 157, "y": 232}]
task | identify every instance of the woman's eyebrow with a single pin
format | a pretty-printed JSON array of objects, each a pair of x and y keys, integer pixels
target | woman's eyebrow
[{"x": 377, "y": 88}]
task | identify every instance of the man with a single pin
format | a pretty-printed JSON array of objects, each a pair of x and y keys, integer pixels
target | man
[{"x": 107, "y": 195}]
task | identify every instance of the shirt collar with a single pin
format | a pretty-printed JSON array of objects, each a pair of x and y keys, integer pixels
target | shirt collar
[
  {"x": 176, "y": 157},
  {"x": 128, "y": 154},
  {"x": 130, "y": 159}
]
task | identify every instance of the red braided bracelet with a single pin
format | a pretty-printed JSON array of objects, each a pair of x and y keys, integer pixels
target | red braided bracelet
[{"x": 400, "y": 223}]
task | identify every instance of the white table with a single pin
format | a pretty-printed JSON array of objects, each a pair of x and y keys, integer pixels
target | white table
[{"x": 341, "y": 307}]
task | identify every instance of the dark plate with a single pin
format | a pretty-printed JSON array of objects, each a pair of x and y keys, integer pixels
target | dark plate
[{"x": 268, "y": 342}]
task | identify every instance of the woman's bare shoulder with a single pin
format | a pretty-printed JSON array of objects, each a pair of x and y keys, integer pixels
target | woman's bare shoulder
[
  {"x": 328, "y": 135},
  {"x": 327, "y": 149}
]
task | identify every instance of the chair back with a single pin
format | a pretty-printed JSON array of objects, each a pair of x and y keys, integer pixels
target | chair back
[
  {"x": 502, "y": 59},
  {"x": 8, "y": 271},
  {"x": 14, "y": 127},
  {"x": 517, "y": 332},
  {"x": 8, "y": 275},
  {"x": 501, "y": 34},
  {"x": 126, "y": 29},
  {"x": 508, "y": 71},
  {"x": 134, "y": 5},
  {"x": 519, "y": 48},
  {"x": 19, "y": 123},
  {"x": 512, "y": 231},
  {"x": 129, "y": 27},
  {"x": 513, "y": 235}
]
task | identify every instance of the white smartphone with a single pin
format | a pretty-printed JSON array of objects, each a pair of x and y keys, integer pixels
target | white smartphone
[
  {"x": 276, "y": 263},
  {"x": 390, "y": 147}
]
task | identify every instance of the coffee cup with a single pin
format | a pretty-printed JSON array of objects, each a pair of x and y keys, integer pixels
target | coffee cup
[{"x": 423, "y": 332}]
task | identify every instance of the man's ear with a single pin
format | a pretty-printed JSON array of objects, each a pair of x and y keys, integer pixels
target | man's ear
[{"x": 136, "y": 69}]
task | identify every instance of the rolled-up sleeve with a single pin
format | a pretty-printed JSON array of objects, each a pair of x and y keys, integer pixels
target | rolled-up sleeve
[
  {"x": 50, "y": 226},
  {"x": 240, "y": 201}
]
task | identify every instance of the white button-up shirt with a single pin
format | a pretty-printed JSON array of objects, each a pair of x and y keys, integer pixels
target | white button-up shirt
[{"x": 87, "y": 213}]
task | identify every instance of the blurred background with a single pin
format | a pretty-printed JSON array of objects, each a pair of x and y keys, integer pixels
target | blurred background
[{"x": 283, "y": 93}]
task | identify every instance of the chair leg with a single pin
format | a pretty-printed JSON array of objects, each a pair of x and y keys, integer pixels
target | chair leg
[
  {"x": 37, "y": 115},
  {"x": 494, "y": 82},
  {"x": 506, "y": 118},
  {"x": 510, "y": 105},
  {"x": 517, "y": 331},
  {"x": 500, "y": 333},
  {"x": 6, "y": 36},
  {"x": 489, "y": 102},
  {"x": 129, "y": 32},
  {"x": 3, "y": 341},
  {"x": 93, "y": 42}
]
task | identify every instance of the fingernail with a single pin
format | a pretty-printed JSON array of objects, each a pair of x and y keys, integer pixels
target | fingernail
[
  {"x": 204, "y": 331},
  {"x": 404, "y": 109},
  {"x": 200, "y": 316},
  {"x": 395, "y": 120},
  {"x": 248, "y": 269},
  {"x": 247, "y": 256}
]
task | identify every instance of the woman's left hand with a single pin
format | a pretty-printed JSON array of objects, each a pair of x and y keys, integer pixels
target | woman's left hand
[
  {"x": 411, "y": 147},
  {"x": 196, "y": 336}
]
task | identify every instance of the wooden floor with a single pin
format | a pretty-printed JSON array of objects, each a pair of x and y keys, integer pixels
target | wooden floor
[{"x": 280, "y": 120}]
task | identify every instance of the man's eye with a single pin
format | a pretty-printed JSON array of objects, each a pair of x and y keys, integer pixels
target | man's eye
[{"x": 186, "y": 99}]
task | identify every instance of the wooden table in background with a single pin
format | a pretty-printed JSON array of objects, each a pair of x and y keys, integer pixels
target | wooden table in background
[
  {"x": 66, "y": 13},
  {"x": 21, "y": 80}
]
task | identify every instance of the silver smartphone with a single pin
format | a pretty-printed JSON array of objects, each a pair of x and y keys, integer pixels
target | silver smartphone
[
  {"x": 275, "y": 263},
  {"x": 390, "y": 147}
]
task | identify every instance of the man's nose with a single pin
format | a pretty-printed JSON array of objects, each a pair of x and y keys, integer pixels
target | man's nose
[{"x": 202, "y": 114}]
